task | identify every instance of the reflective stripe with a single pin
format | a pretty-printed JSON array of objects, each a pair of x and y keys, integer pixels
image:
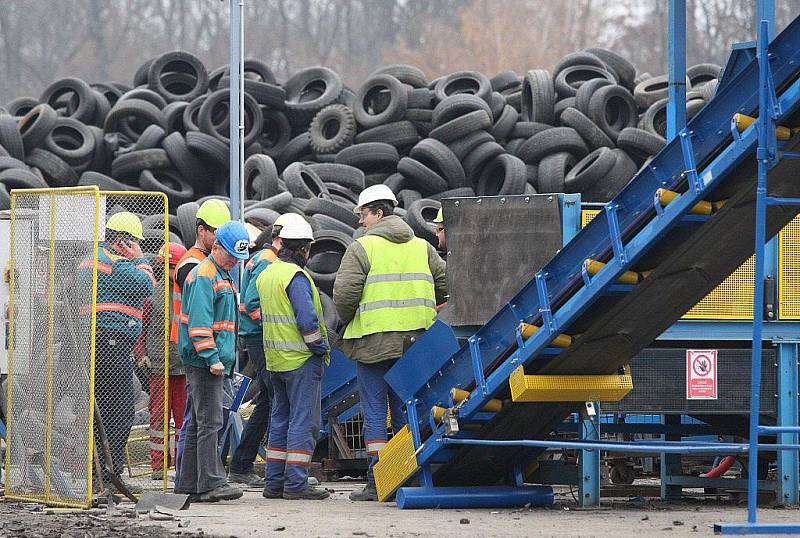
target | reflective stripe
[
  {"x": 397, "y": 303},
  {"x": 373, "y": 447},
  {"x": 298, "y": 457},
  {"x": 101, "y": 267},
  {"x": 221, "y": 284},
  {"x": 224, "y": 326},
  {"x": 255, "y": 315},
  {"x": 206, "y": 343},
  {"x": 114, "y": 307},
  {"x": 277, "y": 344},
  {"x": 398, "y": 277},
  {"x": 276, "y": 454},
  {"x": 157, "y": 433},
  {"x": 273, "y": 318},
  {"x": 149, "y": 271},
  {"x": 242, "y": 308},
  {"x": 200, "y": 331},
  {"x": 312, "y": 337},
  {"x": 184, "y": 318}
]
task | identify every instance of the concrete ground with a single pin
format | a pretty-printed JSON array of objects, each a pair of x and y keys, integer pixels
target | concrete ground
[{"x": 255, "y": 516}]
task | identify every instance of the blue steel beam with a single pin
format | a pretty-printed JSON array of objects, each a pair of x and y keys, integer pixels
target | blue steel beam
[
  {"x": 676, "y": 104},
  {"x": 788, "y": 461},
  {"x": 562, "y": 273}
]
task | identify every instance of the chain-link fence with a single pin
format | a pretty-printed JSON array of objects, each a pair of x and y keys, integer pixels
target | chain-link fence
[{"x": 88, "y": 356}]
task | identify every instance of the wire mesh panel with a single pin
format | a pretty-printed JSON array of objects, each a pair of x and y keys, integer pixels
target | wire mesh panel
[
  {"x": 48, "y": 456},
  {"x": 789, "y": 270},
  {"x": 132, "y": 370}
]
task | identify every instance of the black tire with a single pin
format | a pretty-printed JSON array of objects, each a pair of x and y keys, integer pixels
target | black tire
[
  {"x": 709, "y": 89},
  {"x": 187, "y": 221},
  {"x": 422, "y": 98},
  {"x": 101, "y": 159},
  {"x": 280, "y": 202},
  {"x": 341, "y": 194},
  {"x": 266, "y": 94},
  {"x": 505, "y": 123},
  {"x": 612, "y": 108},
  {"x": 419, "y": 115},
  {"x": 590, "y": 170},
  {"x": 262, "y": 168},
  {"x": 370, "y": 157},
  {"x": 479, "y": 158},
  {"x": 654, "y": 119},
  {"x": 118, "y": 120},
  {"x": 18, "y": 178},
  {"x": 36, "y": 125},
  {"x": 571, "y": 78},
  {"x": 56, "y": 172},
  {"x": 397, "y": 182},
  {"x": 505, "y": 175},
  {"x": 261, "y": 217},
  {"x": 462, "y": 192},
  {"x": 591, "y": 133},
  {"x": 298, "y": 149},
  {"x": 304, "y": 97},
  {"x": 640, "y": 144},
  {"x": 253, "y": 124},
  {"x": 208, "y": 147},
  {"x": 189, "y": 166},
  {"x": 400, "y": 134},
  {"x": 512, "y": 146},
  {"x": 150, "y": 138},
  {"x": 106, "y": 183},
  {"x": 182, "y": 62},
  {"x": 505, "y": 81},
  {"x": 552, "y": 172},
  {"x": 142, "y": 72},
  {"x": 626, "y": 72},
  {"x": 303, "y": 182},
  {"x": 651, "y": 90},
  {"x": 496, "y": 104},
  {"x": 538, "y": 97},
  {"x": 332, "y": 129},
  {"x": 143, "y": 94},
  {"x": 71, "y": 140},
  {"x": 254, "y": 70},
  {"x": 614, "y": 181},
  {"x": 462, "y": 126},
  {"x": 406, "y": 197},
  {"x": 458, "y": 105},
  {"x": 526, "y": 129},
  {"x": 578, "y": 58},
  {"x": 10, "y": 137},
  {"x": 425, "y": 180},
  {"x": 585, "y": 92},
  {"x": 173, "y": 113},
  {"x": 439, "y": 158},
  {"x": 7, "y": 163},
  {"x": 128, "y": 166},
  {"x": 702, "y": 73},
  {"x": 371, "y": 110},
  {"x": 324, "y": 222},
  {"x": 276, "y": 132},
  {"x": 555, "y": 140},
  {"x": 191, "y": 112},
  {"x": 80, "y": 105},
  {"x": 469, "y": 82},
  {"x": 178, "y": 190},
  {"x": 333, "y": 210},
  {"x": 463, "y": 146},
  {"x": 407, "y": 74},
  {"x": 420, "y": 218},
  {"x": 21, "y": 105},
  {"x": 560, "y": 107},
  {"x": 341, "y": 174}
]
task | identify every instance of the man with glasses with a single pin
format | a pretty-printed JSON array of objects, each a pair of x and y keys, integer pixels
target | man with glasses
[{"x": 386, "y": 290}]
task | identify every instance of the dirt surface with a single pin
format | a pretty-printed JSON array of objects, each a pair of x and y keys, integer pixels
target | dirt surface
[{"x": 255, "y": 516}]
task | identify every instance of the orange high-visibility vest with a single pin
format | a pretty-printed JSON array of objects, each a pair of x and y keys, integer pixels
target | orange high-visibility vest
[{"x": 195, "y": 255}]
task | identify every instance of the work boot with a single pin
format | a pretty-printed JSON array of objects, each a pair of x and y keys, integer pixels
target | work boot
[
  {"x": 369, "y": 493},
  {"x": 308, "y": 494},
  {"x": 270, "y": 494},
  {"x": 312, "y": 481},
  {"x": 225, "y": 492},
  {"x": 250, "y": 479}
]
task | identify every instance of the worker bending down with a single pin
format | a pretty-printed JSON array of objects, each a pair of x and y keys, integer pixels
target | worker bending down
[
  {"x": 207, "y": 339},
  {"x": 296, "y": 347},
  {"x": 386, "y": 290}
]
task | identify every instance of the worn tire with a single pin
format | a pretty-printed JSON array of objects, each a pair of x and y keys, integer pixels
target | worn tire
[
  {"x": 462, "y": 126},
  {"x": 538, "y": 97},
  {"x": 555, "y": 140},
  {"x": 505, "y": 175},
  {"x": 612, "y": 108},
  {"x": 552, "y": 172},
  {"x": 303, "y": 182},
  {"x": 263, "y": 168},
  {"x": 298, "y": 149},
  {"x": 333, "y": 210},
  {"x": 640, "y": 144},
  {"x": 36, "y": 125},
  {"x": 480, "y": 157},
  {"x": 208, "y": 147},
  {"x": 177, "y": 189},
  {"x": 420, "y": 176},
  {"x": 586, "y": 128},
  {"x": 585, "y": 92},
  {"x": 196, "y": 69},
  {"x": 80, "y": 106},
  {"x": 370, "y": 157},
  {"x": 10, "y": 137},
  {"x": 299, "y": 109},
  {"x": 420, "y": 218},
  {"x": 438, "y": 157},
  {"x": 332, "y": 129},
  {"x": 341, "y": 174},
  {"x": 469, "y": 82},
  {"x": 407, "y": 74},
  {"x": 400, "y": 134},
  {"x": 56, "y": 172},
  {"x": 367, "y": 107},
  {"x": 626, "y": 72},
  {"x": 589, "y": 170},
  {"x": 505, "y": 123},
  {"x": 463, "y": 146},
  {"x": 614, "y": 181},
  {"x": 71, "y": 140},
  {"x": 570, "y": 79},
  {"x": 127, "y": 166}
]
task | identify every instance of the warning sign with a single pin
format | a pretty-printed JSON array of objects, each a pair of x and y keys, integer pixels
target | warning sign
[{"x": 701, "y": 374}]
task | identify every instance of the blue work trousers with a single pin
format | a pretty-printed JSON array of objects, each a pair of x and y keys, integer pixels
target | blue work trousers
[
  {"x": 294, "y": 425},
  {"x": 258, "y": 423},
  {"x": 376, "y": 397}
]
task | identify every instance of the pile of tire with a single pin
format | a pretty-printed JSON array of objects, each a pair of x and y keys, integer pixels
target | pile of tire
[{"x": 312, "y": 144}]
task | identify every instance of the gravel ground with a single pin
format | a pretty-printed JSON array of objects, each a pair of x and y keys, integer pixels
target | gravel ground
[{"x": 254, "y": 516}]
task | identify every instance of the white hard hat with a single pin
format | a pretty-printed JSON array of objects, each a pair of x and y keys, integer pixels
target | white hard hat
[
  {"x": 287, "y": 218},
  {"x": 373, "y": 194},
  {"x": 296, "y": 229}
]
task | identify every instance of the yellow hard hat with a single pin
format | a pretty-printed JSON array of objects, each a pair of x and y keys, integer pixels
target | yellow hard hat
[
  {"x": 126, "y": 222},
  {"x": 214, "y": 212},
  {"x": 439, "y": 217}
]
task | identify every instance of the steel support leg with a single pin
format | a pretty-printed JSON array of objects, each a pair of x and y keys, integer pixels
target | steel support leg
[
  {"x": 589, "y": 483},
  {"x": 670, "y": 463},
  {"x": 788, "y": 464},
  {"x": 676, "y": 105}
]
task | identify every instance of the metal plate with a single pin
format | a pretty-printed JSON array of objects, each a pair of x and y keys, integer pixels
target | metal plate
[{"x": 484, "y": 270}]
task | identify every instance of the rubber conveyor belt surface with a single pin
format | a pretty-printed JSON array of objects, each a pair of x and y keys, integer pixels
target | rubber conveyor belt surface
[{"x": 618, "y": 327}]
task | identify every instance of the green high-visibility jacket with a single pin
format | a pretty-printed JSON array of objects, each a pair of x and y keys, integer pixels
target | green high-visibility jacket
[
  {"x": 285, "y": 347},
  {"x": 399, "y": 290}
]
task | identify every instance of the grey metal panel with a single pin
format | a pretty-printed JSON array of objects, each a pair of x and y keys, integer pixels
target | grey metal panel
[{"x": 495, "y": 245}]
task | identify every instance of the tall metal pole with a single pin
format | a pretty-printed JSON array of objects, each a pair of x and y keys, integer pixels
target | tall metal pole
[
  {"x": 676, "y": 105},
  {"x": 765, "y": 11},
  {"x": 236, "y": 94}
]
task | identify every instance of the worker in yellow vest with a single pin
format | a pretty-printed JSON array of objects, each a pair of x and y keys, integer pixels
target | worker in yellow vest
[
  {"x": 386, "y": 290},
  {"x": 296, "y": 348}
]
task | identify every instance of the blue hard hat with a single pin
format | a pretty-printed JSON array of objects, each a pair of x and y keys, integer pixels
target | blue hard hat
[{"x": 233, "y": 237}]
